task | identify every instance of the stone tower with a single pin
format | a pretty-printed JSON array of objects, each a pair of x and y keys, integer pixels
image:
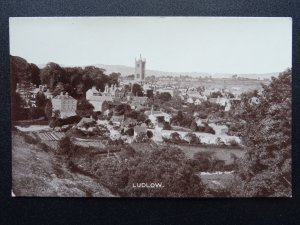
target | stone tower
[{"x": 139, "y": 73}]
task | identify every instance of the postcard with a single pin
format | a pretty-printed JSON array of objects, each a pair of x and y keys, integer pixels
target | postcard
[{"x": 177, "y": 107}]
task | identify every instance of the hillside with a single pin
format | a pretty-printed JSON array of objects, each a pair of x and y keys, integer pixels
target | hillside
[
  {"x": 128, "y": 70},
  {"x": 39, "y": 173}
]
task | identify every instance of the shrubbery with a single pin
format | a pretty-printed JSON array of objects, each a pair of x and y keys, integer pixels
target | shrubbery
[{"x": 36, "y": 113}]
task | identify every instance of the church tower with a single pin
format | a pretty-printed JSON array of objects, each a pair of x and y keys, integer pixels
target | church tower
[{"x": 139, "y": 73}]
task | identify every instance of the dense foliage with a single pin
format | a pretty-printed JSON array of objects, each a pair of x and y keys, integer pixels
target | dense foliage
[
  {"x": 266, "y": 168},
  {"x": 74, "y": 80},
  {"x": 167, "y": 166}
]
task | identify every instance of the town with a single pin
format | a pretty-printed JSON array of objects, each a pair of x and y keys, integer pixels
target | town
[{"x": 78, "y": 112}]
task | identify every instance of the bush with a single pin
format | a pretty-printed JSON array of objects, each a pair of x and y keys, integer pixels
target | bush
[
  {"x": 130, "y": 132},
  {"x": 233, "y": 143},
  {"x": 204, "y": 161},
  {"x": 209, "y": 130},
  {"x": 54, "y": 122},
  {"x": 66, "y": 146},
  {"x": 202, "y": 115},
  {"x": 149, "y": 134},
  {"x": 70, "y": 120},
  {"x": 175, "y": 138},
  {"x": 141, "y": 138},
  {"x": 192, "y": 138},
  {"x": 167, "y": 126},
  {"x": 30, "y": 140},
  {"x": 44, "y": 147},
  {"x": 36, "y": 112}
]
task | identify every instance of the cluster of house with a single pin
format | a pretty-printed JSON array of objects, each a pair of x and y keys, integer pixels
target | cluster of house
[
  {"x": 28, "y": 92},
  {"x": 67, "y": 105}
]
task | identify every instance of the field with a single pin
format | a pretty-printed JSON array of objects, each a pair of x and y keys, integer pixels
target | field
[
  {"x": 224, "y": 154},
  {"x": 216, "y": 181},
  {"x": 243, "y": 85},
  {"x": 88, "y": 143}
]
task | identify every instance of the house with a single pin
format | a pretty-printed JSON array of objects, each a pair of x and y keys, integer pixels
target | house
[
  {"x": 65, "y": 104},
  {"x": 197, "y": 101},
  {"x": 117, "y": 119},
  {"x": 190, "y": 100},
  {"x": 173, "y": 92},
  {"x": 254, "y": 101},
  {"x": 219, "y": 129},
  {"x": 128, "y": 122},
  {"x": 140, "y": 129},
  {"x": 95, "y": 97},
  {"x": 120, "y": 93},
  {"x": 140, "y": 100},
  {"x": 159, "y": 127},
  {"x": 153, "y": 116},
  {"x": 48, "y": 94},
  {"x": 114, "y": 135},
  {"x": 221, "y": 101}
]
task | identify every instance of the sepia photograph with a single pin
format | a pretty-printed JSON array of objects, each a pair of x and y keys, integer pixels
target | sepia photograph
[{"x": 167, "y": 107}]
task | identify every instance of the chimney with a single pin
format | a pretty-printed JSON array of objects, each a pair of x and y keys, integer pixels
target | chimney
[
  {"x": 67, "y": 94},
  {"x": 61, "y": 93}
]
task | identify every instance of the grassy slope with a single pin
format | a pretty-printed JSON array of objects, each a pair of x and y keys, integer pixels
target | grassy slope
[{"x": 39, "y": 173}]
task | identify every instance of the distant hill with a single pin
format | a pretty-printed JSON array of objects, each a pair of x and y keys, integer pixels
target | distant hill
[{"x": 128, "y": 70}]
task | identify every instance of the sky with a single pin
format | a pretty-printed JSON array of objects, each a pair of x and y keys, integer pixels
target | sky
[{"x": 172, "y": 44}]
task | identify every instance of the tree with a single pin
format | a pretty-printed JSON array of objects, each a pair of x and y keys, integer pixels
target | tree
[
  {"x": 160, "y": 119},
  {"x": 216, "y": 94},
  {"x": 167, "y": 126},
  {"x": 40, "y": 99},
  {"x": 65, "y": 146},
  {"x": 194, "y": 126},
  {"x": 230, "y": 95},
  {"x": 17, "y": 104},
  {"x": 132, "y": 114},
  {"x": 114, "y": 78},
  {"x": 137, "y": 90},
  {"x": 175, "y": 138},
  {"x": 141, "y": 117},
  {"x": 234, "y": 76},
  {"x": 84, "y": 108},
  {"x": 52, "y": 74},
  {"x": 19, "y": 71},
  {"x": 209, "y": 129},
  {"x": 122, "y": 109},
  {"x": 48, "y": 109},
  {"x": 149, "y": 134},
  {"x": 165, "y": 96},
  {"x": 141, "y": 137},
  {"x": 36, "y": 113},
  {"x": 192, "y": 138},
  {"x": 107, "y": 105},
  {"x": 58, "y": 89},
  {"x": 171, "y": 169},
  {"x": 130, "y": 132},
  {"x": 35, "y": 74},
  {"x": 266, "y": 168},
  {"x": 149, "y": 94}
]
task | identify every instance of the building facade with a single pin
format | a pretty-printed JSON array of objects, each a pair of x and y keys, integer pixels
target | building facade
[
  {"x": 65, "y": 104},
  {"x": 97, "y": 98}
]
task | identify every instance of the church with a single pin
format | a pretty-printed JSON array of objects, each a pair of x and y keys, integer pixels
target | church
[{"x": 140, "y": 69}]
